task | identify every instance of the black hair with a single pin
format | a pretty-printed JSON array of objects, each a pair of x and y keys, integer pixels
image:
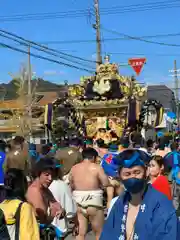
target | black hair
[
  {"x": 149, "y": 143},
  {"x": 159, "y": 160},
  {"x": 89, "y": 153},
  {"x": 58, "y": 173},
  {"x": 136, "y": 138},
  {"x": 161, "y": 145},
  {"x": 18, "y": 140},
  {"x": 75, "y": 142},
  {"x": 101, "y": 144},
  {"x": 43, "y": 165},
  {"x": 64, "y": 143},
  {"x": 45, "y": 149},
  {"x": 15, "y": 184},
  {"x": 125, "y": 142}
]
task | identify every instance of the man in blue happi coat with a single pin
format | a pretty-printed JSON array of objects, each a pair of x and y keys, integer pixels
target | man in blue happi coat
[
  {"x": 141, "y": 212},
  {"x": 2, "y": 159}
]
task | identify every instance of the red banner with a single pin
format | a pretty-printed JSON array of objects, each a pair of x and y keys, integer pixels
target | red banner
[{"x": 137, "y": 64}]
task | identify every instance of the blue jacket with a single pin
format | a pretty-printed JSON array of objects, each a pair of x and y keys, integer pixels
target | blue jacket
[
  {"x": 156, "y": 219},
  {"x": 2, "y": 159}
]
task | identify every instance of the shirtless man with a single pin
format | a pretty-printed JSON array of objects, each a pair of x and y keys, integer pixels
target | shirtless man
[
  {"x": 86, "y": 180},
  {"x": 40, "y": 196}
]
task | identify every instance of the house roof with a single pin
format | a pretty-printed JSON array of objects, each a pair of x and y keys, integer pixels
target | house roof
[
  {"x": 47, "y": 97},
  {"x": 8, "y": 130},
  {"x": 11, "y": 104},
  {"x": 159, "y": 87},
  {"x": 7, "y": 126},
  {"x": 164, "y": 95}
]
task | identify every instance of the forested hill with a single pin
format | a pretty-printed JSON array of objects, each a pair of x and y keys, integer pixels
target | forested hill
[{"x": 9, "y": 91}]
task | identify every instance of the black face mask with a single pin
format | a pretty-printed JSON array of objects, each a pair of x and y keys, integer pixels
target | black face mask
[{"x": 134, "y": 185}]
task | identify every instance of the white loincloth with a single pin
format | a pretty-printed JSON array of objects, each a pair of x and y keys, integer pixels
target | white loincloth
[{"x": 85, "y": 199}]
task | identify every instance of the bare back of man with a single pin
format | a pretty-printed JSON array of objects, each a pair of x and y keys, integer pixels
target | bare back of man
[
  {"x": 87, "y": 180},
  {"x": 86, "y": 176}
]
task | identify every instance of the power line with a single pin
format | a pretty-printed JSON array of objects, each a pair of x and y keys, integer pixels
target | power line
[
  {"x": 46, "y": 13},
  {"x": 104, "y": 11},
  {"x": 144, "y": 54},
  {"x": 43, "y": 58},
  {"x": 52, "y": 60},
  {"x": 140, "y": 39},
  {"x": 45, "y": 47},
  {"x": 142, "y": 8},
  {"x": 148, "y": 4},
  {"x": 109, "y": 39},
  {"x": 42, "y": 50}
]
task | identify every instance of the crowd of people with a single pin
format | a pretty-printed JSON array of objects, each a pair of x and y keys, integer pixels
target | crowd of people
[{"x": 123, "y": 190}]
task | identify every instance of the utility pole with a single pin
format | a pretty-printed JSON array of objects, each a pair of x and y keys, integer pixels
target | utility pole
[
  {"x": 98, "y": 33},
  {"x": 176, "y": 81},
  {"x": 176, "y": 88},
  {"x": 29, "y": 93},
  {"x": 175, "y": 74}
]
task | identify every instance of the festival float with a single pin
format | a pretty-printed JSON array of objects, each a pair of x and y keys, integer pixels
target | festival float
[{"x": 99, "y": 106}]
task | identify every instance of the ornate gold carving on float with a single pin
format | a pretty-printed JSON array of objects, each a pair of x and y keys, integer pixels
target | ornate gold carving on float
[
  {"x": 106, "y": 136},
  {"x": 105, "y": 95},
  {"x": 76, "y": 91},
  {"x": 102, "y": 86}
]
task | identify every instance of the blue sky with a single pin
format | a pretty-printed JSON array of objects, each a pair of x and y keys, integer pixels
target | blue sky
[{"x": 135, "y": 24}]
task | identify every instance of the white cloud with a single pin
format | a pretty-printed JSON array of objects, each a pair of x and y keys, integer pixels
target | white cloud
[{"x": 53, "y": 73}]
